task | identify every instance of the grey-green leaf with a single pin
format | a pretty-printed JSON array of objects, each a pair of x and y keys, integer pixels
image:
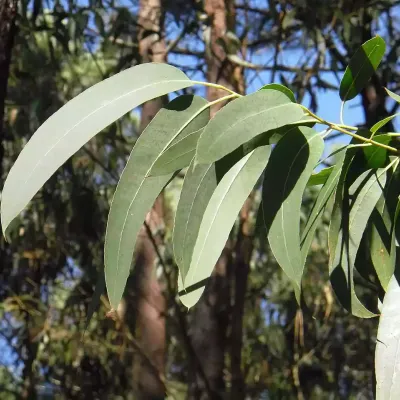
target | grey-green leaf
[
  {"x": 178, "y": 155},
  {"x": 367, "y": 189},
  {"x": 78, "y": 121},
  {"x": 198, "y": 187},
  {"x": 280, "y": 88},
  {"x": 243, "y": 119},
  {"x": 136, "y": 192},
  {"x": 320, "y": 177},
  {"x": 285, "y": 179},
  {"x": 316, "y": 213},
  {"x": 218, "y": 220},
  {"x": 387, "y": 355},
  {"x": 362, "y": 65}
]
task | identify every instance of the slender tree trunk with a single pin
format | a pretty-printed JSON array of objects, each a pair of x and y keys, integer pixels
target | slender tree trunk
[
  {"x": 151, "y": 302},
  {"x": 8, "y": 13},
  {"x": 212, "y": 315}
]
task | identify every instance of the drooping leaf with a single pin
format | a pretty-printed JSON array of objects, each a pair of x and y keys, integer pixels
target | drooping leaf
[
  {"x": 78, "y": 121},
  {"x": 280, "y": 88},
  {"x": 323, "y": 196},
  {"x": 380, "y": 124},
  {"x": 198, "y": 186},
  {"x": 383, "y": 235},
  {"x": 178, "y": 155},
  {"x": 243, "y": 119},
  {"x": 355, "y": 213},
  {"x": 136, "y": 192},
  {"x": 382, "y": 243},
  {"x": 362, "y": 65},
  {"x": 387, "y": 355},
  {"x": 290, "y": 167},
  {"x": 393, "y": 95},
  {"x": 376, "y": 156},
  {"x": 319, "y": 178},
  {"x": 218, "y": 220}
]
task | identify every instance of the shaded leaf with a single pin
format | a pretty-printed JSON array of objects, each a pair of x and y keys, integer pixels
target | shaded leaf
[
  {"x": 280, "y": 88},
  {"x": 380, "y": 124},
  {"x": 387, "y": 355},
  {"x": 66, "y": 131},
  {"x": 323, "y": 197},
  {"x": 218, "y": 220},
  {"x": 243, "y": 119},
  {"x": 376, "y": 156},
  {"x": 178, "y": 155},
  {"x": 291, "y": 164},
  {"x": 357, "y": 204},
  {"x": 135, "y": 194},
  {"x": 362, "y": 65},
  {"x": 320, "y": 177},
  {"x": 198, "y": 186}
]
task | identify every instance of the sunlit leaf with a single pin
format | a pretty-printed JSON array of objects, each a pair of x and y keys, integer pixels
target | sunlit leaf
[
  {"x": 393, "y": 95},
  {"x": 78, "y": 121},
  {"x": 218, "y": 220},
  {"x": 243, "y": 119},
  {"x": 280, "y": 88},
  {"x": 362, "y": 65},
  {"x": 289, "y": 169},
  {"x": 352, "y": 215},
  {"x": 136, "y": 192},
  {"x": 387, "y": 355}
]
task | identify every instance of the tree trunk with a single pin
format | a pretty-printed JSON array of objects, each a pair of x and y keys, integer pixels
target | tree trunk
[
  {"x": 8, "y": 13},
  {"x": 151, "y": 302}
]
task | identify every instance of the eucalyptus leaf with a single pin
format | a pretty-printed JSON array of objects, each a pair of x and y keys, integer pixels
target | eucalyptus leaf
[
  {"x": 178, "y": 155},
  {"x": 355, "y": 213},
  {"x": 376, "y": 156},
  {"x": 66, "y": 131},
  {"x": 218, "y": 220},
  {"x": 380, "y": 124},
  {"x": 198, "y": 187},
  {"x": 280, "y": 88},
  {"x": 387, "y": 355},
  {"x": 243, "y": 119},
  {"x": 316, "y": 213},
  {"x": 320, "y": 177},
  {"x": 136, "y": 193},
  {"x": 393, "y": 95},
  {"x": 286, "y": 176},
  {"x": 362, "y": 66}
]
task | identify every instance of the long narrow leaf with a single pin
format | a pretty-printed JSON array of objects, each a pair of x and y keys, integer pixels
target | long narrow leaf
[
  {"x": 218, "y": 220},
  {"x": 198, "y": 187},
  {"x": 367, "y": 189},
  {"x": 136, "y": 192},
  {"x": 387, "y": 354},
  {"x": 243, "y": 119},
  {"x": 285, "y": 180},
  {"x": 78, "y": 121}
]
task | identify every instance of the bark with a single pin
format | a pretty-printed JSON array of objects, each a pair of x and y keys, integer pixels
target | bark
[
  {"x": 8, "y": 13},
  {"x": 151, "y": 302}
]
